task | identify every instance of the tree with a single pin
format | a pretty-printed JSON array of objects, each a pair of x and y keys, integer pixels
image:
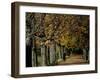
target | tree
[{"x": 71, "y": 31}]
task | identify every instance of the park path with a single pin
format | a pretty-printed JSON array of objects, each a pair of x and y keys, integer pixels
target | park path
[{"x": 73, "y": 59}]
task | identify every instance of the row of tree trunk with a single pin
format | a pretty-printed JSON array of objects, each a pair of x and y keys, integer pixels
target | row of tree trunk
[{"x": 49, "y": 55}]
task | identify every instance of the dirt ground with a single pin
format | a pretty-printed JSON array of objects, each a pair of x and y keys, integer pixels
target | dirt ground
[{"x": 73, "y": 59}]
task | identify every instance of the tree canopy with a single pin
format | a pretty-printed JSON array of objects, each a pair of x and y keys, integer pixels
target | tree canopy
[{"x": 71, "y": 31}]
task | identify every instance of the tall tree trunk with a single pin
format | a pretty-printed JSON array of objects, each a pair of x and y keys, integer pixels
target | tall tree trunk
[
  {"x": 47, "y": 55},
  {"x": 43, "y": 54},
  {"x": 33, "y": 57},
  {"x": 59, "y": 52},
  {"x": 84, "y": 54},
  {"x": 52, "y": 53},
  {"x": 28, "y": 52},
  {"x": 34, "y": 54}
]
